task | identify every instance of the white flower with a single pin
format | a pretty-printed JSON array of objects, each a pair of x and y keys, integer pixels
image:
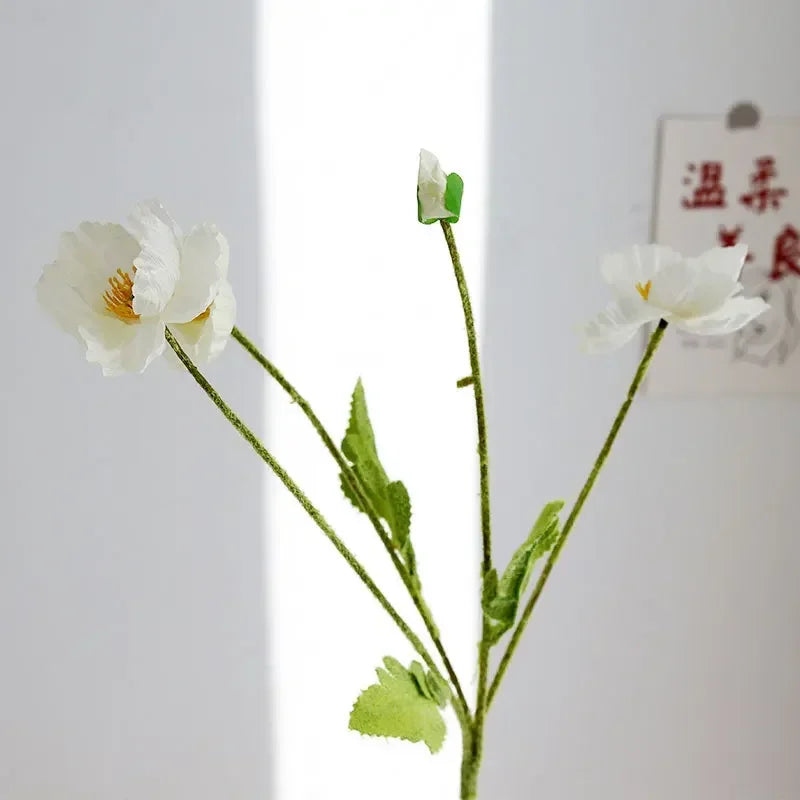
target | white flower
[
  {"x": 699, "y": 295},
  {"x": 438, "y": 194},
  {"x": 114, "y": 289}
]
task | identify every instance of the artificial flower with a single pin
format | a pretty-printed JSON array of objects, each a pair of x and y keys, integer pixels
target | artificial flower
[
  {"x": 650, "y": 282},
  {"x": 438, "y": 194},
  {"x": 115, "y": 288}
]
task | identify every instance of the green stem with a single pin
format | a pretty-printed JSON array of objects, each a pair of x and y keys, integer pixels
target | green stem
[
  {"x": 469, "y": 768},
  {"x": 355, "y": 484},
  {"x": 644, "y": 364},
  {"x": 301, "y": 498},
  {"x": 476, "y": 743},
  {"x": 477, "y": 385}
]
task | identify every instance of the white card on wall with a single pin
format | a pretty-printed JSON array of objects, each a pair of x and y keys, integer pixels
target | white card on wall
[{"x": 721, "y": 186}]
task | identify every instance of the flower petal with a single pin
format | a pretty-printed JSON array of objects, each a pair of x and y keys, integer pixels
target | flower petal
[
  {"x": 61, "y": 300},
  {"x": 203, "y": 340},
  {"x": 204, "y": 265},
  {"x": 690, "y": 289},
  {"x": 90, "y": 255},
  {"x": 431, "y": 188},
  {"x": 733, "y": 315},
  {"x": 723, "y": 260},
  {"x": 617, "y": 324},
  {"x": 637, "y": 264},
  {"x": 119, "y": 347},
  {"x": 158, "y": 263},
  {"x": 152, "y": 208}
]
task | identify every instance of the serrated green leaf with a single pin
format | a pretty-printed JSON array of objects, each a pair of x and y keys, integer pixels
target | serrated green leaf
[
  {"x": 399, "y": 511},
  {"x": 359, "y": 444},
  {"x": 489, "y": 592},
  {"x": 432, "y": 687},
  {"x": 501, "y": 597},
  {"x": 418, "y": 674},
  {"x": 397, "y": 707},
  {"x": 389, "y": 499},
  {"x": 348, "y": 492},
  {"x": 439, "y": 690}
]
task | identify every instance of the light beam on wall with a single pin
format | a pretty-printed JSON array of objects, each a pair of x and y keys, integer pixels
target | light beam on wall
[{"x": 354, "y": 286}]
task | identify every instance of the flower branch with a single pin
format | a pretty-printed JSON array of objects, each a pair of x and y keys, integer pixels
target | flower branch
[
  {"x": 644, "y": 364},
  {"x": 301, "y": 498},
  {"x": 358, "y": 489},
  {"x": 126, "y": 292}
]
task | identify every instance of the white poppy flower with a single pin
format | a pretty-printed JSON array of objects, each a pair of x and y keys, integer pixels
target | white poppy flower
[
  {"x": 438, "y": 194},
  {"x": 650, "y": 282},
  {"x": 114, "y": 289}
]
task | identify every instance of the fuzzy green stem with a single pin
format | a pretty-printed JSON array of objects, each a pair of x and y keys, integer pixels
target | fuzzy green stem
[
  {"x": 641, "y": 371},
  {"x": 469, "y": 768},
  {"x": 480, "y": 413},
  {"x": 476, "y": 740},
  {"x": 301, "y": 498},
  {"x": 355, "y": 484}
]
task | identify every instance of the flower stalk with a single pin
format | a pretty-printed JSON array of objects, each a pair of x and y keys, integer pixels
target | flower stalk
[
  {"x": 301, "y": 498},
  {"x": 644, "y": 364},
  {"x": 472, "y": 759},
  {"x": 126, "y": 292},
  {"x": 355, "y": 484}
]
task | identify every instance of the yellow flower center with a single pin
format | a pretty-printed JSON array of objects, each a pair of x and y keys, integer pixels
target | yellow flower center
[
  {"x": 119, "y": 296},
  {"x": 644, "y": 291},
  {"x": 203, "y": 315}
]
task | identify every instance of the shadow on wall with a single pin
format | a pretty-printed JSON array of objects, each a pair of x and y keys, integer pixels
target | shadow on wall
[{"x": 131, "y": 552}]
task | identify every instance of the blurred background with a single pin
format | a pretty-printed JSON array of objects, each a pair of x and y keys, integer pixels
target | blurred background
[{"x": 171, "y": 624}]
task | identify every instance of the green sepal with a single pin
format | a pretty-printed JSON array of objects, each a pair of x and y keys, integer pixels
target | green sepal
[
  {"x": 453, "y": 193},
  {"x": 399, "y": 707},
  {"x": 501, "y": 596}
]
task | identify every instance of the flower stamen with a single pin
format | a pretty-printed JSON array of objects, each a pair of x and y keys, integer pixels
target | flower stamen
[
  {"x": 119, "y": 298},
  {"x": 644, "y": 290},
  {"x": 203, "y": 315}
]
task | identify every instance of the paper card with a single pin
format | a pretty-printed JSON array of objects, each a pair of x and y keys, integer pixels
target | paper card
[{"x": 718, "y": 186}]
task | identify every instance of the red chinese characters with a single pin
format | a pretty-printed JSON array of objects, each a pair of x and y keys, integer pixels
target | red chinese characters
[
  {"x": 728, "y": 237},
  {"x": 762, "y": 194},
  {"x": 786, "y": 254},
  {"x": 709, "y": 192}
]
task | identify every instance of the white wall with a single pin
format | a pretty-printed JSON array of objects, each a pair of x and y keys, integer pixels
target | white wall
[
  {"x": 131, "y": 610},
  {"x": 663, "y": 659}
]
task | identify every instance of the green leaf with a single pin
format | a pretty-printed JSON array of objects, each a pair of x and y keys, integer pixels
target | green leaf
[
  {"x": 389, "y": 499},
  {"x": 501, "y": 597},
  {"x": 418, "y": 674},
  {"x": 439, "y": 690},
  {"x": 489, "y": 587},
  {"x": 432, "y": 687},
  {"x": 348, "y": 492},
  {"x": 453, "y": 193},
  {"x": 396, "y": 706},
  {"x": 359, "y": 445},
  {"x": 399, "y": 505}
]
